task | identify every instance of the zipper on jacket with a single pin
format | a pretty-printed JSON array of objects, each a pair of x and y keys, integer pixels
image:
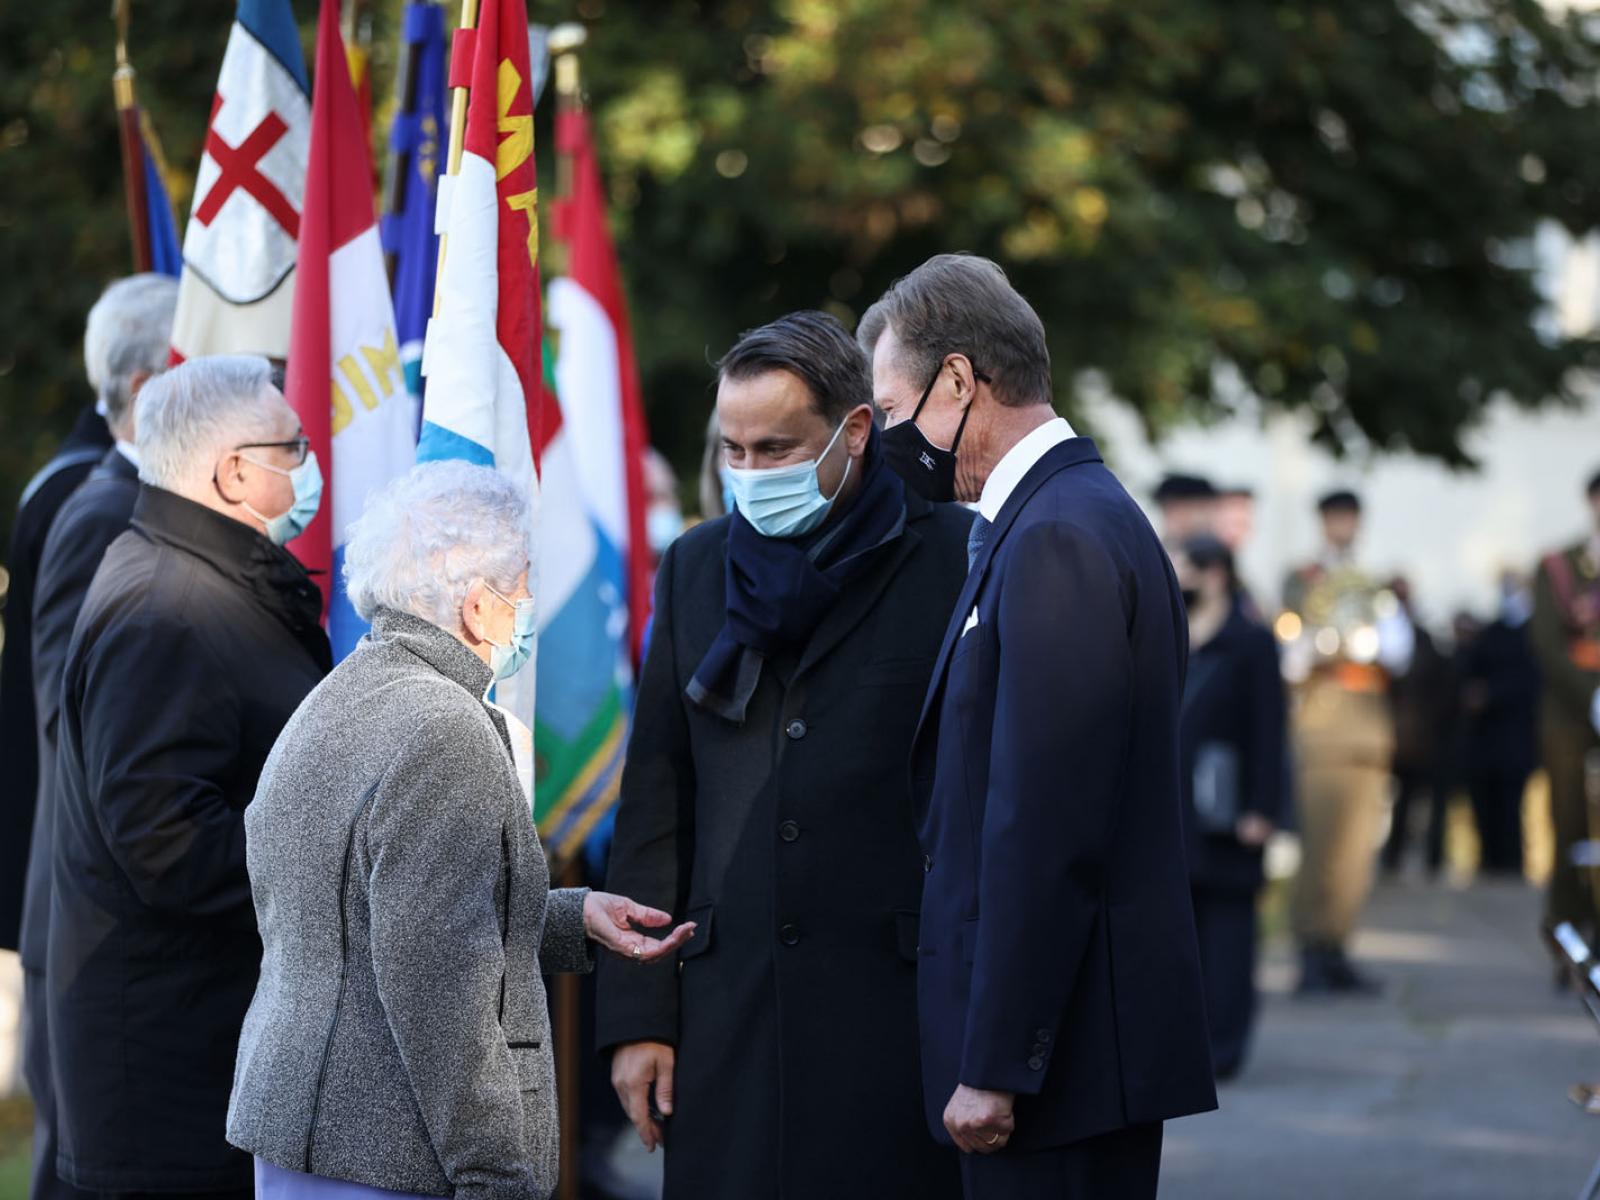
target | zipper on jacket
[{"x": 344, "y": 971}]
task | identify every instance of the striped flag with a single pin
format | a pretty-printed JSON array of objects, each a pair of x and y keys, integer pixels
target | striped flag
[
  {"x": 150, "y": 225},
  {"x": 487, "y": 402},
  {"x": 598, "y": 381},
  {"x": 344, "y": 377},
  {"x": 236, "y": 290},
  {"x": 481, "y": 357}
]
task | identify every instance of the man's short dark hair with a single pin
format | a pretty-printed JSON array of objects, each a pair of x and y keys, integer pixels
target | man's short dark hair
[
  {"x": 1175, "y": 487},
  {"x": 1593, "y": 489},
  {"x": 814, "y": 347},
  {"x": 963, "y": 304},
  {"x": 1341, "y": 501}
]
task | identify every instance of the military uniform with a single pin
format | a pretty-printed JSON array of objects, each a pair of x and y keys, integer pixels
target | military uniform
[
  {"x": 1343, "y": 742},
  {"x": 1565, "y": 632}
]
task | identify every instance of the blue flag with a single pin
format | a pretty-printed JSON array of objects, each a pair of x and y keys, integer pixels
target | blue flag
[
  {"x": 417, "y": 145},
  {"x": 166, "y": 256}
]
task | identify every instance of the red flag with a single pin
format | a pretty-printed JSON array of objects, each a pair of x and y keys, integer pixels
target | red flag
[
  {"x": 592, "y": 266},
  {"x": 344, "y": 377}
]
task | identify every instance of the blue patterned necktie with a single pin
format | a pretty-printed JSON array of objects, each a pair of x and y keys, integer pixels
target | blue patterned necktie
[{"x": 978, "y": 535}]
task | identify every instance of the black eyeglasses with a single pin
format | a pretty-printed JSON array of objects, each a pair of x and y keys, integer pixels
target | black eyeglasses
[{"x": 300, "y": 447}]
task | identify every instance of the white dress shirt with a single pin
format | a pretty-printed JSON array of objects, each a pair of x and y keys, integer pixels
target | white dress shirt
[{"x": 1018, "y": 461}]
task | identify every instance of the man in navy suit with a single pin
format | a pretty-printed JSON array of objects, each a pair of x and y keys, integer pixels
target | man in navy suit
[{"x": 1059, "y": 987}]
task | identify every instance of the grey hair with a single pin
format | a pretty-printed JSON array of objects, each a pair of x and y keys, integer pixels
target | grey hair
[
  {"x": 429, "y": 535},
  {"x": 964, "y": 304},
  {"x": 129, "y": 330},
  {"x": 198, "y": 411}
]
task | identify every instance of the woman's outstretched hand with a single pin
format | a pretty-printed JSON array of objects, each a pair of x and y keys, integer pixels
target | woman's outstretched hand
[{"x": 608, "y": 919}]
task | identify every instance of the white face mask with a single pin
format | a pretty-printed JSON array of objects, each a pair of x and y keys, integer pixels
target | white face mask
[{"x": 785, "y": 502}]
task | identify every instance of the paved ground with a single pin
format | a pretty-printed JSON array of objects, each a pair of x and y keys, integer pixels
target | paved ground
[{"x": 1452, "y": 1085}]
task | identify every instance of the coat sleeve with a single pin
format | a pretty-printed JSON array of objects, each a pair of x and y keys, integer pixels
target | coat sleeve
[
  {"x": 72, "y": 555},
  {"x": 565, "y": 948},
  {"x": 161, "y": 729},
  {"x": 649, "y": 854},
  {"x": 435, "y": 846},
  {"x": 1267, "y": 718},
  {"x": 1060, "y": 735}
]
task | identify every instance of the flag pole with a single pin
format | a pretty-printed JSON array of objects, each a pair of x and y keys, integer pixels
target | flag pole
[
  {"x": 122, "y": 90},
  {"x": 565, "y": 41},
  {"x": 458, "y": 139}
]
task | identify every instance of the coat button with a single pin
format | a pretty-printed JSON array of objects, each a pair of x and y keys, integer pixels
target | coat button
[
  {"x": 789, "y": 831},
  {"x": 927, "y": 863},
  {"x": 796, "y": 729},
  {"x": 789, "y": 935},
  {"x": 1042, "y": 1036},
  {"x": 1036, "y": 1063}
]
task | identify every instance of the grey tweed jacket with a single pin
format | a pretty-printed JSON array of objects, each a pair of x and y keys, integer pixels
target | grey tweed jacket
[{"x": 399, "y": 1035}]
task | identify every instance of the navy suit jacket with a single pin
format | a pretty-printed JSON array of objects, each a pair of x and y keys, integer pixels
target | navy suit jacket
[{"x": 1057, "y": 956}]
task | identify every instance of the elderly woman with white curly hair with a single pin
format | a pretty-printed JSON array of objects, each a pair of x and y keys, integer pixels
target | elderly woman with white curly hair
[{"x": 399, "y": 1038}]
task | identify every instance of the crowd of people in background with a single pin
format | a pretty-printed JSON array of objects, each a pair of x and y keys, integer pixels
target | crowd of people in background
[{"x": 857, "y": 714}]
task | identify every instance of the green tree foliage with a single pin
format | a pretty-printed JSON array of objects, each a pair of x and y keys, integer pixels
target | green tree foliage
[
  {"x": 1331, "y": 200},
  {"x": 1329, "y": 203}
]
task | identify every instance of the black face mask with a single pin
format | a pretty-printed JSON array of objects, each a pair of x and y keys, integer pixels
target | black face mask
[
  {"x": 1191, "y": 597},
  {"x": 925, "y": 468}
]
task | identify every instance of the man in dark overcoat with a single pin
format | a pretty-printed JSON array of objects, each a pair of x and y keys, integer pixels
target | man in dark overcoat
[
  {"x": 766, "y": 797},
  {"x": 1059, "y": 985},
  {"x": 198, "y": 639}
]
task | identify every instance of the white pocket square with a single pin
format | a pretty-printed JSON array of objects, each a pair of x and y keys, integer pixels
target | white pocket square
[{"x": 972, "y": 623}]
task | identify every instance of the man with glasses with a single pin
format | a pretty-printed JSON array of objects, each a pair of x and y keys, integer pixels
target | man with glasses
[{"x": 198, "y": 638}]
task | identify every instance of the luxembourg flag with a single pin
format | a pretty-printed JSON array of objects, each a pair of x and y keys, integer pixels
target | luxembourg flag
[
  {"x": 236, "y": 291},
  {"x": 484, "y": 399},
  {"x": 597, "y": 379},
  {"x": 344, "y": 375}
]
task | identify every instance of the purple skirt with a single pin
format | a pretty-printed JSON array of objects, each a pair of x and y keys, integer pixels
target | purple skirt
[{"x": 274, "y": 1183}]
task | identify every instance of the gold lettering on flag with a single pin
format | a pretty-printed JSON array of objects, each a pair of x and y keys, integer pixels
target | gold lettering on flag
[
  {"x": 514, "y": 150},
  {"x": 358, "y": 381},
  {"x": 384, "y": 361}
]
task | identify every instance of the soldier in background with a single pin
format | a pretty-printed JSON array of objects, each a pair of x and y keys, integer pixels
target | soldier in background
[
  {"x": 1565, "y": 631},
  {"x": 1343, "y": 636},
  {"x": 1187, "y": 504}
]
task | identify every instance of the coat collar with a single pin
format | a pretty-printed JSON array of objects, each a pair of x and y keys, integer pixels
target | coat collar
[
  {"x": 237, "y": 553},
  {"x": 437, "y": 647},
  {"x": 1072, "y": 453}
]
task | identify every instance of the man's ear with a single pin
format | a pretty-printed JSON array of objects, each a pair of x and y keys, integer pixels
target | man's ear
[
  {"x": 960, "y": 368},
  {"x": 229, "y": 478},
  {"x": 136, "y": 381},
  {"x": 857, "y": 429}
]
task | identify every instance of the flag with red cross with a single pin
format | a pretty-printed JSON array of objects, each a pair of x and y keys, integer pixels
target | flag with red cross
[{"x": 236, "y": 294}]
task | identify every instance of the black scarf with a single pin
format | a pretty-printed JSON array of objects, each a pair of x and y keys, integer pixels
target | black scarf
[{"x": 779, "y": 589}]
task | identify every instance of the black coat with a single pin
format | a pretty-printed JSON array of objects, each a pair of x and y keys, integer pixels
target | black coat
[
  {"x": 92, "y": 518},
  {"x": 196, "y": 642},
  {"x": 790, "y": 840},
  {"x": 1233, "y": 695},
  {"x": 19, "y": 754},
  {"x": 1504, "y": 736},
  {"x": 1058, "y": 951}
]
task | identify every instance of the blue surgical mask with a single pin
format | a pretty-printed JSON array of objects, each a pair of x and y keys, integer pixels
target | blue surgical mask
[
  {"x": 662, "y": 525},
  {"x": 505, "y": 661},
  {"x": 785, "y": 502},
  {"x": 306, "y": 479}
]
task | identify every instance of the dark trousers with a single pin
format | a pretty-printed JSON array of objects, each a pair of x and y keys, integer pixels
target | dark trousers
[
  {"x": 1497, "y": 809},
  {"x": 46, "y": 1184},
  {"x": 1226, "y": 924},
  {"x": 1416, "y": 784},
  {"x": 1124, "y": 1165}
]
